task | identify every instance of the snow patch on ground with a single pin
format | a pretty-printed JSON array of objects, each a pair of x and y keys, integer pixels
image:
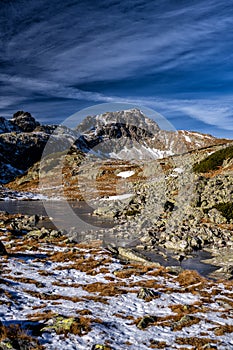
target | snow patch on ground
[
  {"x": 125, "y": 174},
  {"x": 117, "y": 197},
  {"x": 187, "y": 138},
  {"x": 178, "y": 170},
  {"x": 141, "y": 152}
]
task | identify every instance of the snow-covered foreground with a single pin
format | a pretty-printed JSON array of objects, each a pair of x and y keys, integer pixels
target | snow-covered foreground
[{"x": 79, "y": 296}]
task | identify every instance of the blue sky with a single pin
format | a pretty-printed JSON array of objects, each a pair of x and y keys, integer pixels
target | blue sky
[{"x": 176, "y": 57}]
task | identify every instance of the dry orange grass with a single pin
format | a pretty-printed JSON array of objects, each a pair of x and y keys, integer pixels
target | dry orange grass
[
  {"x": 197, "y": 343},
  {"x": 191, "y": 280},
  {"x": 76, "y": 185},
  {"x": 220, "y": 330},
  {"x": 154, "y": 344},
  {"x": 25, "y": 280},
  {"x": 106, "y": 289},
  {"x": 14, "y": 334}
]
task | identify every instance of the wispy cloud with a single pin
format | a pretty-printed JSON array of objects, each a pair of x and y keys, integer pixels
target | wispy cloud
[
  {"x": 52, "y": 48},
  {"x": 51, "y": 89},
  {"x": 215, "y": 113},
  {"x": 88, "y": 42}
]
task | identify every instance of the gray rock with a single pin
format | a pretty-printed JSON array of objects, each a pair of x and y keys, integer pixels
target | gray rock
[
  {"x": 177, "y": 245},
  {"x": 216, "y": 217},
  {"x": 146, "y": 293},
  {"x": 107, "y": 211},
  {"x": 146, "y": 321}
]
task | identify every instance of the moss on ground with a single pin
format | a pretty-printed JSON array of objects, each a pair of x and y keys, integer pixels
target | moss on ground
[
  {"x": 226, "y": 210},
  {"x": 213, "y": 161}
]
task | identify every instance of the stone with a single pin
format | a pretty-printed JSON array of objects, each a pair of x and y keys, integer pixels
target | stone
[
  {"x": 183, "y": 322},
  {"x": 145, "y": 293},
  {"x": 146, "y": 321},
  {"x": 63, "y": 325},
  {"x": 174, "y": 270},
  {"x": 216, "y": 217},
  {"x": 176, "y": 246},
  {"x": 100, "y": 347},
  {"x": 106, "y": 212},
  {"x": 132, "y": 255},
  {"x": 36, "y": 234},
  {"x": 2, "y": 249}
]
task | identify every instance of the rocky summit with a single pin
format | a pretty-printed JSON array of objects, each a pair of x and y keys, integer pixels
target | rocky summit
[{"x": 131, "y": 135}]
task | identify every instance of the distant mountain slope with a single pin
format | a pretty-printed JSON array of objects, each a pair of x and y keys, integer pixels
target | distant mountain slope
[
  {"x": 22, "y": 141},
  {"x": 123, "y": 135}
]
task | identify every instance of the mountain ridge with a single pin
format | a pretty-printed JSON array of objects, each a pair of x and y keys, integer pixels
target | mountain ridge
[
  {"x": 123, "y": 135},
  {"x": 141, "y": 137}
]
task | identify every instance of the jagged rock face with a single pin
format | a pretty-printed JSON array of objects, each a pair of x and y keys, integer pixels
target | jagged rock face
[
  {"x": 113, "y": 134},
  {"x": 22, "y": 141},
  {"x": 22, "y": 150},
  {"x": 24, "y": 121},
  {"x": 7, "y": 126},
  {"x": 131, "y": 123},
  {"x": 131, "y": 135}
]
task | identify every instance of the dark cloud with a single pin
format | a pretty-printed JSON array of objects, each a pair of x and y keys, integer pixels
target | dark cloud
[{"x": 172, "y": 55}]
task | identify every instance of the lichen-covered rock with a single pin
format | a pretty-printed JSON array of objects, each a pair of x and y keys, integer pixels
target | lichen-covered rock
[
  {"x": 100, "y": 347},
  {"x": 146, "y": 321},
  {"x": 63, "y": 325},
  {"x": 107, "y": 211},
  {"x": 145, "y": 293}
]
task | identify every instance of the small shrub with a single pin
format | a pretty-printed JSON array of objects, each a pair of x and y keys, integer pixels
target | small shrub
[
  {"x": 213, "y": 161},
  {"x": 226, "y": 210}
]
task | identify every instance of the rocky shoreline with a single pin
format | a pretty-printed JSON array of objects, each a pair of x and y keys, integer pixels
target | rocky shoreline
[{"x": 39, "y": 228}]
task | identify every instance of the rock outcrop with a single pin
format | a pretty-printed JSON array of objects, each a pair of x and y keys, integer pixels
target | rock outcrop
[
  {"x": 22, "y": 142},
  {"x": 168, "y": 203},
  {"x": 24, "y": 121}
]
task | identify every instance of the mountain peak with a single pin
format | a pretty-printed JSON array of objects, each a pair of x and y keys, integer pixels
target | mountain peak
[
  {"x": 130, "y": 119},
  {"x": 25, "y": 121}
]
